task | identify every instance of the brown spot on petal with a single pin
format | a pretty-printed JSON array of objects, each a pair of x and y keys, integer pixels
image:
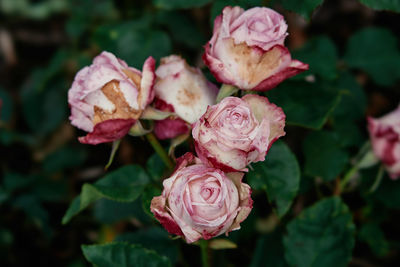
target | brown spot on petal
[
  {"x": 135, "y": 77},
  {"x": 254, "y": 64},
  {"x": 122, "y": 109},
  {"x": 188, "y": 97}
]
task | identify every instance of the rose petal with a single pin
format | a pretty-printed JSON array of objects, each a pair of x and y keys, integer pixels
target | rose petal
[
  {"x": 157, "y": 207},
  {"x": 170, "y": 128},
  {"x": 108, "y": 131},
  {"x": 147, "y": 83}
]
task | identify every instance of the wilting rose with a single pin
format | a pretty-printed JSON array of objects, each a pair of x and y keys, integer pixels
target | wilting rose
[
  {"x": 108, "y": 97},
  {"x": 236, "y": 132},
  {"x": 183, "y": 90},
  {"x": 385, "y": 138},
  {"x": 200, "y": 201},
  {"x": 247, "y": 49}
]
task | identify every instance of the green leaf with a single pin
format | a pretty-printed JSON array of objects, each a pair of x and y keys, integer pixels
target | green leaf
[
  {"x": 388, "y": 192},
  {"x": 155, "y": 167},
  {"x": 64, "y": 158},
  {"x": 108, "y": 211},
  {"x": 269, "y": 251},
  {"x": 375, "y": 50},
  {"x": 133, "y": 42},
  {"x": 312, "y": 53},
  {"x": 81, "y": 20},
  {"x": 353, "y": 102},
  {"x": 323, "y": 155},
  {"x": 125, "y": 185},
  {"x": 154, "y": 238},
  {"x": 391, "y": 5},
  {"x": 44, "y": 102},
  {"x": 182, "y": 29},
  {"x": 304, "y": 8},
  {"x": 73, "y": 209},
  {"x": 305, "y": 104},
  {"x": 6, "y": 106},
  {"x": 372, "y": 234},
  {"x": 349, "y": 133},
  {"x": 278, "y": 175},
  {"x": 123, "y": 255},
  {"x": 14, "y": 181},
  {"x": 322, "y": 235},
  {"x": 147, "y": 196},
  {"x": 179, "y": 4}
]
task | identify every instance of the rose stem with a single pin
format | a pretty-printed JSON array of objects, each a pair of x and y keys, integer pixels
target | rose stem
[
  {"x": 204, "y": 253},
  {"x": 350, "y": 173},
  {"x": 160, "y": 150},
  {"x": 378, "y": 179}
]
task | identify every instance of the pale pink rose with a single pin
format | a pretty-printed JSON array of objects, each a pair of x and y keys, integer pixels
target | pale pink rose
[
  {"x": 247, "y": 49},
  {"x": 385, "y": 138},
  {"x": 108, "y": 97},
  {"x": 236, "y": 132},
  {"x": 201, "y": 202},
  {"x": 185, "y": 91}
]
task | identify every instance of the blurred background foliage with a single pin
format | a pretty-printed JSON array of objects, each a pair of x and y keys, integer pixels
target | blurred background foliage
[{"x": 298, "y": 217}]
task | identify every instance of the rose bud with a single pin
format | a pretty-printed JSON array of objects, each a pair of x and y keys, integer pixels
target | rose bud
[
  {"x": 184, "y": 91},
  {"x": 108, "y": 97},
  {"x": 200, "y": 201},
  {"x": 247, "y": 49},
  {"x": 385, "y": 138},
  {"x": 236, "y": 132}
]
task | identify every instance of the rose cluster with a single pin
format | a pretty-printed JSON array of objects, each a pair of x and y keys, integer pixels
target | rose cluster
[{"x": 205, "y": 195}]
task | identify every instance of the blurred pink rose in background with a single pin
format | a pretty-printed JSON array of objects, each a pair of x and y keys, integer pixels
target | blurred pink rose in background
[
  {"x": 183, "y": 90},
  {"x": 108, "y": 97},
  {"x": 200, "y": 201},
  {"x": 247, "y": 49},
  {"x": 236, "y": 132},
  {"x": 385, "y": 138}
]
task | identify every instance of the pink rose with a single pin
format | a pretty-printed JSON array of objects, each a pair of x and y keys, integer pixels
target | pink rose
[
  {"x": 200, "y": 201},
  {"x": 184, "y": 91},
  {"x": 108, "y": 97},
  {"x": 247, "y": 49},
  {"x": 385, "y": 138},
  {"x": 236, "y": 132}
]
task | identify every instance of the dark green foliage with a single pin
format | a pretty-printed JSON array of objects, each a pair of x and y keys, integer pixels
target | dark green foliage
[
  {"x": 45, "y": 173},
  {"x": 303, "y": 8},
  {"x": 322, "y": 235},
  {"x": 306, "y": 104},
  {"x": 375, "y": 50},
  {"x": 278, "y": 175},
  {"x": 313, "y": 51},
  {"x": 124, "y": 185},
  {"x": 391, "y": 5},
  {"x": 124, "y": 255},
  {"x": 323, "y": 155}
]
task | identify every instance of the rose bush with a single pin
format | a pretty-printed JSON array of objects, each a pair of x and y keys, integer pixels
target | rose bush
[
  {"x": 385, "y": 138},
  {"x": 200, "y": 201},
  {"x": 108, "y": 97},
  {"x": 236, "y": 132},
  {"x": 247, "y": 49},
  {"x": 183, "y": 90}
]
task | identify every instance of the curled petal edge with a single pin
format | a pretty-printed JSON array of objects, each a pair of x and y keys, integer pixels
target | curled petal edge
[{"x": 108, "y": 131}]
